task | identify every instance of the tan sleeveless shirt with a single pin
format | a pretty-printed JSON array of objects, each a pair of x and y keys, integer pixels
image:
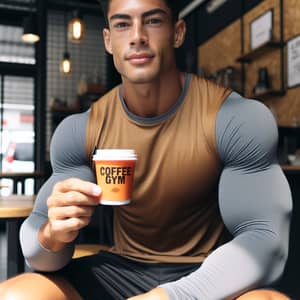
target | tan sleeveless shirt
[{"x": 174, "y": 215}]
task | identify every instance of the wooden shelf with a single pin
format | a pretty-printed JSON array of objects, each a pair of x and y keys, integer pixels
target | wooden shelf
[
  {"x": 269, "y": 46},
  {"x": 269, "y": 93},
  {"x": 291, "y": 169},
  {"x": 62, "y": 109}
]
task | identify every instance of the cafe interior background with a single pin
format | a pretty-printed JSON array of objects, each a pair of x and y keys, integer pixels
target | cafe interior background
[{"x": 251, "y": 46}]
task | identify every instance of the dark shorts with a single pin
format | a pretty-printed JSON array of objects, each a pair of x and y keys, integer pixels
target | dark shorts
[{"x": 108, "y": 276}]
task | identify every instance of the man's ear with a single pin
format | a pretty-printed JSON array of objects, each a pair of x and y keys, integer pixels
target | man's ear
[
  {"x": 179, "y": 34},
  {"x": 107, "y": 40}
]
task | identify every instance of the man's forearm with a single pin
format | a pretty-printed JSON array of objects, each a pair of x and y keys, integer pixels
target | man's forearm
[
  {"x": 258, "y": 216},
  {"x": 229, "y": 271},
  {"x": 38, "y": 256}
]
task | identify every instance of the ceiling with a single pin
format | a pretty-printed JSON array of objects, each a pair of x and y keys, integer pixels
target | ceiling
[
  {"x": 25, "y": 4},
  {"x": 88, "y": 4},
  {"x": 13, "y": 11}
]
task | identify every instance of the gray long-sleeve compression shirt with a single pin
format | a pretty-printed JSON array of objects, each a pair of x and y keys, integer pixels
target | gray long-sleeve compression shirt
[{"x": 254, "y": 200}]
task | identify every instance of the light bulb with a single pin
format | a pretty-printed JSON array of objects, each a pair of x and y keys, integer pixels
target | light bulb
[
  {"x": 30, "y": 38},
  {"x": 66, "y": 64},
  {"x": 76, "y": 30},
  {"x": 30, "y": 34}
]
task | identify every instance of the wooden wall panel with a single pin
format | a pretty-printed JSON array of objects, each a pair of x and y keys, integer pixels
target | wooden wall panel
[
  {"x": 292, "y": 18},
  {"x": 221, "y": 50},
  {"x": 224, "y": 48}
]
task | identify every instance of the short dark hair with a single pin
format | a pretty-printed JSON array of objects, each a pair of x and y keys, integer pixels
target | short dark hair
[{"x": 172, "y": 4}]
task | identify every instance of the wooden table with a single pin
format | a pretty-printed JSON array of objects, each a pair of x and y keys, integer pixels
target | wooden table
[{"x": 13, "y": 210}]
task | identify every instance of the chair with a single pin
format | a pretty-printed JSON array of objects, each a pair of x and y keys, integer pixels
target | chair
[{"x": 88, "y": 249}]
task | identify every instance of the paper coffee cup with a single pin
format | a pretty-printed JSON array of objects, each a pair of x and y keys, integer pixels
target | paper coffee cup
[{"x": 114, "y": 173}]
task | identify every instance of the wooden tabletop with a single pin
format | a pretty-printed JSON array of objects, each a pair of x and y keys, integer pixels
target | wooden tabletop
[
  {"x": 16, "y": 206},
  {"x": 22, "y": 175}
]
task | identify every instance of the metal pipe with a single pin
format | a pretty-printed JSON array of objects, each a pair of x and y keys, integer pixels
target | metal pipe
[
  {"x": 282, "y": 45},
  {"x": 74, "y": 4},
  {"x": 189, "y": 8},
  {"x": 14, "y": 7}
]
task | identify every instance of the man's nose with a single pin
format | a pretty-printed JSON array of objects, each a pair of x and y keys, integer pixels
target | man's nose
[{"x": 139, "y": 35}]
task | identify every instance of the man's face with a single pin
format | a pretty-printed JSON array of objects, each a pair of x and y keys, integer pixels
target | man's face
[{"x": 141, "y": 37}]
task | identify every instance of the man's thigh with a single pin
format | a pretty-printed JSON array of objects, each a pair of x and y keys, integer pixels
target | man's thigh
[
  {"x": 30, "y": 286},
  {"x": 263, "y": 294}
]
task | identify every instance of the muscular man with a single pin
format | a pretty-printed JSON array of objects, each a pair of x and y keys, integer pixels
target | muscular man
[{"x": 210, "y": 213}]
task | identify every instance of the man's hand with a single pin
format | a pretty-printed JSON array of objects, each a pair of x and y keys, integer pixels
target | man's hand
[
  {"x": 70, "y": 208},
  {"x": 155, "y": 294}
]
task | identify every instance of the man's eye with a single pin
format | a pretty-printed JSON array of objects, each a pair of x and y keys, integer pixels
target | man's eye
[
  {"x": 154, "y": 21},
  {"x": 121, "y": 25}
]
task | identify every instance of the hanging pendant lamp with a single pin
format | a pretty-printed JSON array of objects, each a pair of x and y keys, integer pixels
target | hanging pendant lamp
[
  {"x": 76, "y": 28},
  {"x": 30, "y": 33},
  {"x": 66, "y": 63}
]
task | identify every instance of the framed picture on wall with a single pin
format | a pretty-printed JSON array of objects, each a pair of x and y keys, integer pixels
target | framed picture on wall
[
  {"x": 293, "y": 61},
  {"x": 261, "y": 29}
]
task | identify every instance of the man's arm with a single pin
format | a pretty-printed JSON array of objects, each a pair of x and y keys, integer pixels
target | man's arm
[
  {"x": 68, "y": 160},
  {"x": 255, "y": 203}
]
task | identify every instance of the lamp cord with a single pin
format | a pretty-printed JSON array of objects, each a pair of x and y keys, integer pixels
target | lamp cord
[
  {"x": 31, "y": 8},
  {"x": 65, "y": 27}
]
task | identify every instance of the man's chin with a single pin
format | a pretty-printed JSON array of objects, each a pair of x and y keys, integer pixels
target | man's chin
[{"x": 142, "y": 78}]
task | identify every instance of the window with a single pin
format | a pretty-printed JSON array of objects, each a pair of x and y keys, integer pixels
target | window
[
  {"x": 12, "y": 48},
  {"x": 16, "y": 107},
  {"x": 17, "y": 127}
]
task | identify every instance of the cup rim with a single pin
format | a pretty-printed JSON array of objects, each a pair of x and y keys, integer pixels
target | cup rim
[{"x": 115, "y": 154}]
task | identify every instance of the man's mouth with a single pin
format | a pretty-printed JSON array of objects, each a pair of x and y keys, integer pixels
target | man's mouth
[{"x": 140, "y": 58}]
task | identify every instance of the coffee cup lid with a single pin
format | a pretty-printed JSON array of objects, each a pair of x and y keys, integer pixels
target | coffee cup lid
[{"x": 115, "y": 154}]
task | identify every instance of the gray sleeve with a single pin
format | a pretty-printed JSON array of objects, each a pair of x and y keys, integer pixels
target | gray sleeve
[
  {"x": 255, "y": 204},
  {"x": 68, "y": 159}
]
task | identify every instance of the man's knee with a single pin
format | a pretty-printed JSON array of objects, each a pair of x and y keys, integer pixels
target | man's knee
[
  {"x": 7, "y": 292},
  {"x": 10, "y": 294},
  {"x": 263, "y": 295}
]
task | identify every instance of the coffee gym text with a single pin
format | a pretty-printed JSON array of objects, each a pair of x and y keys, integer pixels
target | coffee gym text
[{"x": 115, "y": 175}]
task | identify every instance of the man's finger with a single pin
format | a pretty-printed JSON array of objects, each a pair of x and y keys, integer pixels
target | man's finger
[
  {"x": 76, "y": 184},
  {"x": 71, "y": 224},
  {"x": 64, "y": 212},
  {"x": 71, "y": 198}
]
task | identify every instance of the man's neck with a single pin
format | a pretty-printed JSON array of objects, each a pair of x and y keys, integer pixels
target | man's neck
[{"x": 155, "y": 98}]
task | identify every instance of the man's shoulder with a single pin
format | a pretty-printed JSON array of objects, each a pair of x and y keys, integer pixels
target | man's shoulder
[
  {"x": 209, "y": 94},
  {"x": 203, "y": 83},
  {"x": 244, "y": 124},
  {"x": 236, "y": 104},
  {"x": 72, "y": 122},
  {"x": 68, "y": 141}
]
